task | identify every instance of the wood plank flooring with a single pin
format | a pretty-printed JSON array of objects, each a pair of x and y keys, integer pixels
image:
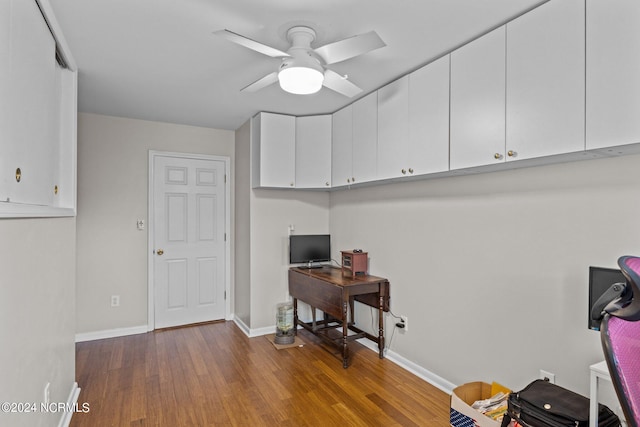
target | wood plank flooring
[{"x": 214, "y": 375}]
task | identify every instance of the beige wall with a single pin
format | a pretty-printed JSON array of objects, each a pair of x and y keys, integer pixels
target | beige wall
[
  {"x": 242, "y": 241},
  {"x": 272, "y": 211},
  {"x": 112, "y": 195},
  {"x": 492, "y": 269},
  {"x": 37, "y": 294}
]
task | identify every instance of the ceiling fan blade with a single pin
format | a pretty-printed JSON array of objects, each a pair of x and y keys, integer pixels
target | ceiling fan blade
[
  {"x": 340, "y": 84},
  {"x": 267, "y": 80},
  {"x": 349, "y": 48},
  {"x": 251, "y": 44}
]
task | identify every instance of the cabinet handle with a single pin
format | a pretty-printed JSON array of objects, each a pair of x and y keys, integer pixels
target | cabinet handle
[
  {"x": 326, "y": 183},
  {"x": 411, "y": 170},
  {"x": 348, "y": 181},
  {"x": 404, "y": 172},
  {"x": 353, "y": 179},
  {"x": 18, "y": 175},
  {"x": 291, "y": 185},
  {"x": 512, "y": 153},
  {"x": 497, "y": 156}
]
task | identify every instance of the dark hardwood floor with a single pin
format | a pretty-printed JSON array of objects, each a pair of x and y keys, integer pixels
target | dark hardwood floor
[{"x": 213, "y": 375}]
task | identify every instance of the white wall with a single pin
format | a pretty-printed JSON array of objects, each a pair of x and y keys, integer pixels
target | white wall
[
  {"x": 272, "y": 211},
  {"x": 112, "y": 195},
  {"x": 492, "y": 269},
  {"x": 37, "y": 294}
]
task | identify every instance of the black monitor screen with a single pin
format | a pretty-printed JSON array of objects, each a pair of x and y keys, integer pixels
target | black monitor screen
[
  {"x": 601, "y": 279},
  {"x": 309, "y": 248}
]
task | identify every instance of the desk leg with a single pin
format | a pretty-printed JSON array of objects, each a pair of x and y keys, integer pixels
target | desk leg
[
  {"x": 295, "y": 316},
  {"x": 314, "y": 326},
  {"x": 381, "y": 325},
  {"x": 593, "y": 401},
  {"x": 345, "y": 333},
  {"x": 352, "y": 318}
]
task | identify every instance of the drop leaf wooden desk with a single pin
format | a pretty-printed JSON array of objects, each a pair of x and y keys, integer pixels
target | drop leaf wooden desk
[{"x": 332, "y": 292}]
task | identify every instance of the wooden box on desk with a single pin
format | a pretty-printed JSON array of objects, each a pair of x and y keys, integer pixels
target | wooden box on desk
[{"x": 354, "y": 263}]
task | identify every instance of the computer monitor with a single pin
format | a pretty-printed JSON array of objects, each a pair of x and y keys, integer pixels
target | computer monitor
[
  {"x": 309, "y": 249},
  {"x": 601, "y": 279}
]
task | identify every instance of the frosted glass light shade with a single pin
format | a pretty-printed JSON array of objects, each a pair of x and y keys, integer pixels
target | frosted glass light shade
[{"x": 300, "y": 80}]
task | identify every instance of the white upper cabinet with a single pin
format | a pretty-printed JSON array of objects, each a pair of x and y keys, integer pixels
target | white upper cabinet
[
  {"x": 7, "y": 157},
  {"x": 478, "y": 102},
  {"x": 273, "y": 139},
  {"x": 413, "y": 123},
  {"x": 341, "y": 146},
  {"x": 313, "y": 152},
  {"x": 365, "y": 139},
  {"x": 545, "y": 81},
  {"x": 613, "y": 73},
  {"x": 38, "y": 110},
  {"x": 393, "y": 128},
  {"x": 32, "y": 109},
  {"x": 428, "y": 143}
]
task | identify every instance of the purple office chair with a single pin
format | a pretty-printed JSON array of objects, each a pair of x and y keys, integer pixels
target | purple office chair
[{"x": 620, "y": 333}]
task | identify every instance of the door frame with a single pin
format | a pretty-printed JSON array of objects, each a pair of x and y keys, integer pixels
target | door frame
[{"x": 151, "y": 222}]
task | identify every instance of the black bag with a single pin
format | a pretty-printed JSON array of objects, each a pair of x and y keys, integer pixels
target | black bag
[{"x": 542, "y": 404}]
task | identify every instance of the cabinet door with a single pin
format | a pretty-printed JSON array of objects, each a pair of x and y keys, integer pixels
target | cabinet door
[
  {"x": 478, "y": 101},
  {"x": 393, "y": 129},
  {"x": 428, "y": 150},
  {"x": 275, "y": 148},
  {"x": 613, "y": 72},
  {"x": 365, "y": 138},
  {"x": 341, "y": 147},
  {"x": 7, "y": 161},
  {"x": 545, "y": 81},
  {"x": 313, "y": 152},
  {"x": 33, "y": 102}
]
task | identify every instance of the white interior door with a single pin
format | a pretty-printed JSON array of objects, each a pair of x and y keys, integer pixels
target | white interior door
[{"x": 189, "y": 266}]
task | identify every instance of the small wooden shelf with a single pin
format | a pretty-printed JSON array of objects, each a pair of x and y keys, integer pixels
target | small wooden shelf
[{"x": 354, "y": 263}]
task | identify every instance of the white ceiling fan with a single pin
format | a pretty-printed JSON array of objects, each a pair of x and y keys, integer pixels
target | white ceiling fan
[{"x": 303, "y": 70}]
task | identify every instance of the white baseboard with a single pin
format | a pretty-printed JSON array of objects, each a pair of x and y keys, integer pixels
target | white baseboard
[
  {"x": 111, "y": 333},
  {"x": 417, "y": 370},
  {"x": 243, "y": 326},
  {"x": 254, "y": 332},
  {"x": 72, "y": 400}
]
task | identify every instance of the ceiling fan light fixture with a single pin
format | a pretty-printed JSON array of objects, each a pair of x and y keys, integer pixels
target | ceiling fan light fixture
[{"x": 300, "y": 80}]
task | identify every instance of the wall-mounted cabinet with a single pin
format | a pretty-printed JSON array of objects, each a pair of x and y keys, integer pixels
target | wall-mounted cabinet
[
  {"x": 393, "y": 129},
  {"x": 513, "y": 97},
  {"x": 478, "y": 102},
  {"x": 545, "y": 81},
  {"x": 273, "y": 150},
  {"x": 38, "y": 114},
  {"x": 313, "y": 152},
  {"x": 428, "y": 141},
  {"x": 365, "y": 139},
  {"x": 613, "y": 73},
  {"x": 291, "y": 152},
  {"x": 342, "y": 146}
]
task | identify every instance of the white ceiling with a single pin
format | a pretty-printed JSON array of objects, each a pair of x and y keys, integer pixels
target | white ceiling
[{"x": 158, "y": 59}]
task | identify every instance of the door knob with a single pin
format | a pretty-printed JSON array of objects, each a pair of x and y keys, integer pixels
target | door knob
[{"x": 159, "y": 252}]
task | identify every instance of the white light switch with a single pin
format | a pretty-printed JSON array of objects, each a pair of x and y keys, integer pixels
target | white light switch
[{"x": 140, "y": 224}]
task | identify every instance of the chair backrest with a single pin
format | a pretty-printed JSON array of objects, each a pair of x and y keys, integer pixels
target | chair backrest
[{"x": 620, "y": 333}]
